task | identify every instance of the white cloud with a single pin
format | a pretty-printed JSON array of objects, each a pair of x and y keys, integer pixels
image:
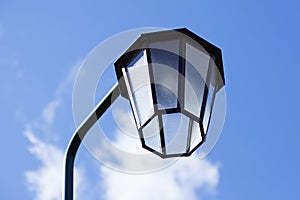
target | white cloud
[
  {"x": 48, "y": 113},
  {"x": 46, "y": 181},
  {"x": 67, "y": 84},
  {"x": 182, "y": 180},
  {"x": 50, "y": 110},
  {"x": 50, "y": 172}
]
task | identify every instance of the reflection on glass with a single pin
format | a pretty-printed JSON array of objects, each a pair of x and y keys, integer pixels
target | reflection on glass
[
  {"x": 176, "y": 133},
  {"x": 210, "y": 97},
  {"x": 196, "y": 137},
  {"x": 208, "y": 107},
  {"x": 196, "y": 66},
  {"x": 151, "y": 135},
  {"x": 166, "y": 98},
  {"x": 165, "y": 63},
  {"x": 139, "y": 83}
]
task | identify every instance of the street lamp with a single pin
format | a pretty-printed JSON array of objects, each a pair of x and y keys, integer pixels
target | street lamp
[{"x": 167, "y": 76}]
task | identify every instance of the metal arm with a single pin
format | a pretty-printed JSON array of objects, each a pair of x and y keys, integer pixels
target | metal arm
[{"x": 78, "y": 136}]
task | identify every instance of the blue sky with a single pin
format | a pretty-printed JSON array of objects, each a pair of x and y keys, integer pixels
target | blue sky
[{"x": 42, "y": 44}]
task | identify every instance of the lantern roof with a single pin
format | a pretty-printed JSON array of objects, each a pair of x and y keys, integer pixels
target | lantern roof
[{"x": 143, "y": 41}]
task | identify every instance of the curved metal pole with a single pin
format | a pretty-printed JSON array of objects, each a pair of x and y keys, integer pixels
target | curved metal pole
[{"x": 78, "y": 136}]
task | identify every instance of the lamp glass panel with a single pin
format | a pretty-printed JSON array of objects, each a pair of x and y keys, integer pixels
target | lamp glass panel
[
  {"x": 176, "y": 133},
  {"x": 210, "y": 98},
  {"x": 151, "y": 135},
  {"x": 196, "y": 67},
  {"x": 196, "y": 136},
  {"x": 165, "y": 63},
  {"x": 140, "y": 86}
]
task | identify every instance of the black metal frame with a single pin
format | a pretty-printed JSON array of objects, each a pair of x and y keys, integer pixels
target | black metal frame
[{"x": 78, "y": 136}]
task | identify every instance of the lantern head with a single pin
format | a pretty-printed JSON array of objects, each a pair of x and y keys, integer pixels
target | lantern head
[{"x": 171, "y": 79}]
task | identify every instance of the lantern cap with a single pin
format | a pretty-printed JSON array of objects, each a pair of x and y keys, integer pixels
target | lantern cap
[{"x": 145, "y": 39}]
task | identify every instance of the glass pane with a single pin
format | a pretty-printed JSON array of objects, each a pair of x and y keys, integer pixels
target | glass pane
[
  {"x": 151, "y": 134},
  {"x": 165, "y": 63},
  {"x": 196, "y": 137},
  {"x": 199, "y": 58},
  {"x": 176, "y": 133},
  {"x": 209, "y": 102},
  {"x": 139, "y": 83},
  {"x": 196, "y": 66}
]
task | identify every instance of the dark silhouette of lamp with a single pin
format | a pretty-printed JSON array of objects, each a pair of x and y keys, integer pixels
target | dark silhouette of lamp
[{"x": 170, "y": 79}]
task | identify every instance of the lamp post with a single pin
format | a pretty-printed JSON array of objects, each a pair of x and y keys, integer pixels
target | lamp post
[{"x": 166, "y": 75}]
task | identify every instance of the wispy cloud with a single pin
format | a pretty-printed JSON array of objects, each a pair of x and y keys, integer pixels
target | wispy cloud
[
  {"x": 50, "y": 170},
  {"x": 182, "y": 180},
  {"x": 49, "y": 111},
  {"x": 186, "y": 178},
  {"x": 46, "y": 181}
]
